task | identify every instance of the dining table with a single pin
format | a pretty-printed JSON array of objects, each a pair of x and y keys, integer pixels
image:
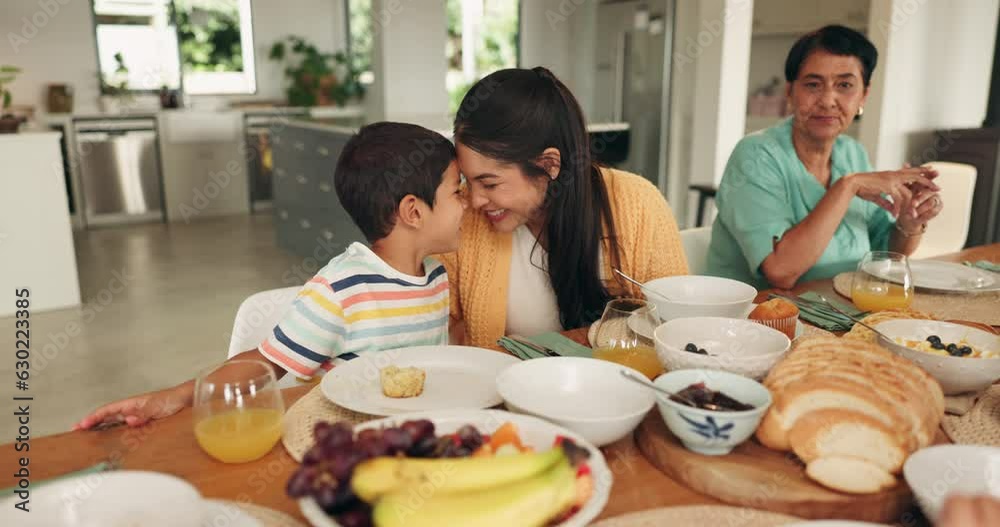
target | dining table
[{"x": 168, "y": 446}]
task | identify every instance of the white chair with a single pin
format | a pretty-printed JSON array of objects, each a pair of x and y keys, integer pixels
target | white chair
[
  {"x": 256, "y": 318},
  {"x": 695, "y": 242},
  {"x": 947, "y": 233}
]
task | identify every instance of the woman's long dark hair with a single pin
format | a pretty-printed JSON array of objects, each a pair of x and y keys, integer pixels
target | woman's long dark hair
[{"x": 513, "y": 115}]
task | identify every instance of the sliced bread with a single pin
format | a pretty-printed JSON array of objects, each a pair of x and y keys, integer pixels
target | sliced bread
[
  {"x": 846, "y": 433},
  {"x": 850, "y": 474}
]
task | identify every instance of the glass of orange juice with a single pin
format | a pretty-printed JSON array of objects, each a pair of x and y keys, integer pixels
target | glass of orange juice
[
  {"x": 625, "y": 335},
  {"x": 237, "y": 411},
  {"x": 883, "y": 281}
]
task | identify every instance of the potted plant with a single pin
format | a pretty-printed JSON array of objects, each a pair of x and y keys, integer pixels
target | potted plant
[
  {"x": 116, "y": 95},
  {"x": 8, "y": 122},
  {"x": 315, "y": 78}
]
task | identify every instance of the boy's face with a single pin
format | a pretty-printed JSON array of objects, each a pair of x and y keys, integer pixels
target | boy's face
[{"x": 441, "y": 231}]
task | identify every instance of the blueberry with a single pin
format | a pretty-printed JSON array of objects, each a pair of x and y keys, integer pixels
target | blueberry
[
  {"x": 933, "y": 339},
  {"x": 937, "y": 345},
  {"x": 952, "y": 348},
  {"x": 691, "y": 347},
  {"x": 965, "y": 350},
  {"x": 701, "y": 351}
]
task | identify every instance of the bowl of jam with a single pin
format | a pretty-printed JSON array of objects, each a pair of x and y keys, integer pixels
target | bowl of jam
[{"x": 711, "y": 411}]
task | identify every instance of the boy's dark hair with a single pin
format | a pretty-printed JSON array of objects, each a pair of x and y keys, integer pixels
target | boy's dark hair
[
  {"x": 838, "y": 40},
  {"x": 382, "y": 164}
]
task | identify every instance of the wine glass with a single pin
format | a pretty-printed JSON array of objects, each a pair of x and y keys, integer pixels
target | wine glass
[
  {"x": 237, "y": 411},
  {"x": 625, "y": 335},
  {"x": 883, "y": 281}
]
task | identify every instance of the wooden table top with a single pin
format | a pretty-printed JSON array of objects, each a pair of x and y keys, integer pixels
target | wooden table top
[{"x": 169, "y": 446}]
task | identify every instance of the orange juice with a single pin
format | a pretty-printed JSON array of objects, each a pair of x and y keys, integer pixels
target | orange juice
[
  {"x": 877, "y": 297},
  {"x": 640, "y": 358},
  {"x": 238, "y": 436}
]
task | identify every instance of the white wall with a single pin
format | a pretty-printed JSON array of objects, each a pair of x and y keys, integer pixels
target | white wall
[
  {"x": 62, "y": 49},
  {"x": 547, "y": 32},
  {"x": 934, "y": 72}
]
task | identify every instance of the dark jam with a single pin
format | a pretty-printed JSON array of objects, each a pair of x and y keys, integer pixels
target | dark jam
[{"x": 703, "y": 397}]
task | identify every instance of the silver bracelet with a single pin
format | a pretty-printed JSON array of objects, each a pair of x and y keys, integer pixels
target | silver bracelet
[{"x": 923, "y": 229}]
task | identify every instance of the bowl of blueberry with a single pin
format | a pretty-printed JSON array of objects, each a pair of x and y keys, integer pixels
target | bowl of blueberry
[
  {"x": 962, "y": 358},
  {"x": 735, "y": 345}
]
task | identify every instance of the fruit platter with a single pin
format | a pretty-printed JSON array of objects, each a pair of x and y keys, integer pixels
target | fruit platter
[{"x": 466, "y": 467}]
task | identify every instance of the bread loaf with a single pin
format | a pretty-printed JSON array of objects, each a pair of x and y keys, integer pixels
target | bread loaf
[{"x": 851, "y": 410}]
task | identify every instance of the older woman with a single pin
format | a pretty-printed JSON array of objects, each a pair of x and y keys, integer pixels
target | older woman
[
  {"x": 546, "y": 225},
  {"x": 800, "y": 201}
]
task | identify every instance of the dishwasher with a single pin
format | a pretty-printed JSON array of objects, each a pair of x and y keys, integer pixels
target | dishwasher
[{"x": 119, "y": 166}]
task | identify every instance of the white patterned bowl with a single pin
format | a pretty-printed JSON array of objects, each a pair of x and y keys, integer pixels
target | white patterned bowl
[{"x": 738, "y": 346}]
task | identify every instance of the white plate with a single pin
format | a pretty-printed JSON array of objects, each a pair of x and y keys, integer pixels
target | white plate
[
  {"x": 641, "y": 326},
  {"x": 216, "y": 513},
  {"x": 458, "y": 377},
  {"x": 946, "y": 276},
  {"x": 534, "y": 432},
  {"x": 936, "y": 472}
]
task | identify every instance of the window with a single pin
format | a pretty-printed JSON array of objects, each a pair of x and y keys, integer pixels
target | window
[
  {"x": 359, "y": 26},
  {"x": 144, "y": 45},
  {"x": 482, "y": 38}
]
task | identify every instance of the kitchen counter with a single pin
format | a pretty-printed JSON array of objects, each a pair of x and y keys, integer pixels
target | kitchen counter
[{"x": 36, "y": 239}]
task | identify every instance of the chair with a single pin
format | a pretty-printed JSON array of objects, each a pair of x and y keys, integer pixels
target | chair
[
  {"x": 256, "y": 318},
  {"x": 695, "y": 243},
  {"x": 947, "y": 233}
]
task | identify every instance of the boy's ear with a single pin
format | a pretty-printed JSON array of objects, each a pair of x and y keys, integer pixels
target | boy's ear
[{"x": 409, "y": 212}]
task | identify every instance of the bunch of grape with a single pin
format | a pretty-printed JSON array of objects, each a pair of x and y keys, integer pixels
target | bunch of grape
[{"x": 326, "y": 468}]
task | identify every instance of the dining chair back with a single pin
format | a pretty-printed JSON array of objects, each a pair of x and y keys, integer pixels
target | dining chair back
[
  {"x": 947, "y": 233},
  {"x": 695, "y": 242},
  {"x": 256, "y": 318}
]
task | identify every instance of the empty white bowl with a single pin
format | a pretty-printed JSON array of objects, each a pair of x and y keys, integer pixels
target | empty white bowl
[
  {"x": 700, "y": 296},
  {"x": 739, "y": 346},
  {"x": 936, "y": 472},
  {"x": 125, "y": 497},
  {"x": 587, "y": 396},
  {"x": 712, "y": 433},
  {"x": 956, "y": 374}
]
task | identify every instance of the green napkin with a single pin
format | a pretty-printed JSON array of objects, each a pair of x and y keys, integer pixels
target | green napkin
[
  {"x": 985, "y": 264},
  {"x": 555, "y": 341},
  {"x": 824, "y": 317}
]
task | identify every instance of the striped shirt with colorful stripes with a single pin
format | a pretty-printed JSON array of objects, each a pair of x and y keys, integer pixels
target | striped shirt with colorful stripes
[{"x": 358, "y": 303}]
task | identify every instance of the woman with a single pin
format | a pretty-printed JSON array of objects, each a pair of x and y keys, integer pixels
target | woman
[
  {"x": 546, "y": 225},
  {"x": 800, "y": 201}
]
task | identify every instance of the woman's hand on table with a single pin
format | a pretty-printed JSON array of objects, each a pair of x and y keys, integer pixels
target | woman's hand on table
[
  {"x": 970, "y": 511},
  {"x": 901, "y": 185},
  {"x": 138, "y": 410}
]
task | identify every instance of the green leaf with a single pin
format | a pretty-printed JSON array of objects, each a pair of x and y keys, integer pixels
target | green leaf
[
  {"x": 10, "y": 69},
  {"x": 277, "y": 51},
  {"x": 6, "y": 98}
]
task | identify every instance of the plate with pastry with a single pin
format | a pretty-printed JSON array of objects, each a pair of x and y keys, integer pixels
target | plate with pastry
[{"x": 417, "y": 379}]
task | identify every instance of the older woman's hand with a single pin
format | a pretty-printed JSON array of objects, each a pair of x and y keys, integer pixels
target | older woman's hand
[
  {"x": 900, "y": 185},
  {"x": 970, "y": 511}
]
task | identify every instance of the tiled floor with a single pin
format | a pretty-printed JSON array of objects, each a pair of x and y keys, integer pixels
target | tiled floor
[{"x": 182, "y": 286}]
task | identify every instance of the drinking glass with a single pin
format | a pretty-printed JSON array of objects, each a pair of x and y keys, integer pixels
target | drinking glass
[
  {"x": 625, "y": 335},
  {"x": 237, "y": 411},
  {"x": 883, "y": 281}
]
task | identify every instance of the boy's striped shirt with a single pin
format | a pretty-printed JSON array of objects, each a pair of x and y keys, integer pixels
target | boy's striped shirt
[{"x": 357, "y": 303}]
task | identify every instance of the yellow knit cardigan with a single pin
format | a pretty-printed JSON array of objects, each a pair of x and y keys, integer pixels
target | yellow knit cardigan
[{"x": 479, "y": 273}]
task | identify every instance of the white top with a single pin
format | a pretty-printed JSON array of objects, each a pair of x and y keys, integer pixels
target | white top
[{"x": 531, "y": 301}]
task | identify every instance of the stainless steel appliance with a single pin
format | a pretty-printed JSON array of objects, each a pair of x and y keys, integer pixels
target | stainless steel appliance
[{"x": 119, "y": 171}]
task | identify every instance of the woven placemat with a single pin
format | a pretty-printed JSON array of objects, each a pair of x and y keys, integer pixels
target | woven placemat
[
  {"x": 698, "y": 515},
  {"x": 267, "y": 517},
  {"x": 980, "y": 425},
  {"x": 299, "y": 420},
  {"x": 981, "y": 307}
]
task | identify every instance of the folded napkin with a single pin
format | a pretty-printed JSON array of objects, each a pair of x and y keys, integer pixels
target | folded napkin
[
  {"x": 554, "y": 341},
  {"x": 814, "y": 312},
  {"x": 985, "y": 264}
]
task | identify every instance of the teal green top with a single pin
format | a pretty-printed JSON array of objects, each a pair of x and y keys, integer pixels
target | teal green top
[{"x": 766, "y": 190}]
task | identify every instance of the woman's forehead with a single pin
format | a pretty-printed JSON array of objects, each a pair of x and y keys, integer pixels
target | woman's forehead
[{"x": 822, "y": 63}]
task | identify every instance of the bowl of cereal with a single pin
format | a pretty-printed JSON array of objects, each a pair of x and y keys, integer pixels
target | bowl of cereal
[{"x": 961, "y": 358}]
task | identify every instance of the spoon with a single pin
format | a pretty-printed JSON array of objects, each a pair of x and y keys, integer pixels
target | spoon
[
  {"x": 632, "y": 377},
  {"x": 643, "y": 288}
]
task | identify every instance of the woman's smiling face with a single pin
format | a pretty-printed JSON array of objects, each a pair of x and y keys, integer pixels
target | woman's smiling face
[{"x": 502, "y": 191}]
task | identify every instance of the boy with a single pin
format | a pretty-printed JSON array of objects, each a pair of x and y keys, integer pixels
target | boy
[{"x": 401, "y": 186}]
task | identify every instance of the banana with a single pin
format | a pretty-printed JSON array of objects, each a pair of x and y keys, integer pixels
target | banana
[
  {"x": 530, "y": 502},
  {"x": 377, "y": 477}
]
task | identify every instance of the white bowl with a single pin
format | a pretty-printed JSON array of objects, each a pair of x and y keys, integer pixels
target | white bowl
[
  {"x": 936, "y": 472},
  {"x": 712, "y": 433},
  {"x": 735, "y": 345},
  {"x": 534, "y": 432},
  {"x": 588, "y": 396},
  {"x": 956, "y": 374},
  {"x": 124, "y": 497},
  {"x": 700, "y": 296}
]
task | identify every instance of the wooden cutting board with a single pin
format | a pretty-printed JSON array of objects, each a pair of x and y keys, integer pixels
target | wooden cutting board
[{"x": 758, "y": 477}]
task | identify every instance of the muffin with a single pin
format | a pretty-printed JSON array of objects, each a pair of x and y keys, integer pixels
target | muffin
[
  {"x": 779, "y": 314},
  {"x": 402, "y": 382}
]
